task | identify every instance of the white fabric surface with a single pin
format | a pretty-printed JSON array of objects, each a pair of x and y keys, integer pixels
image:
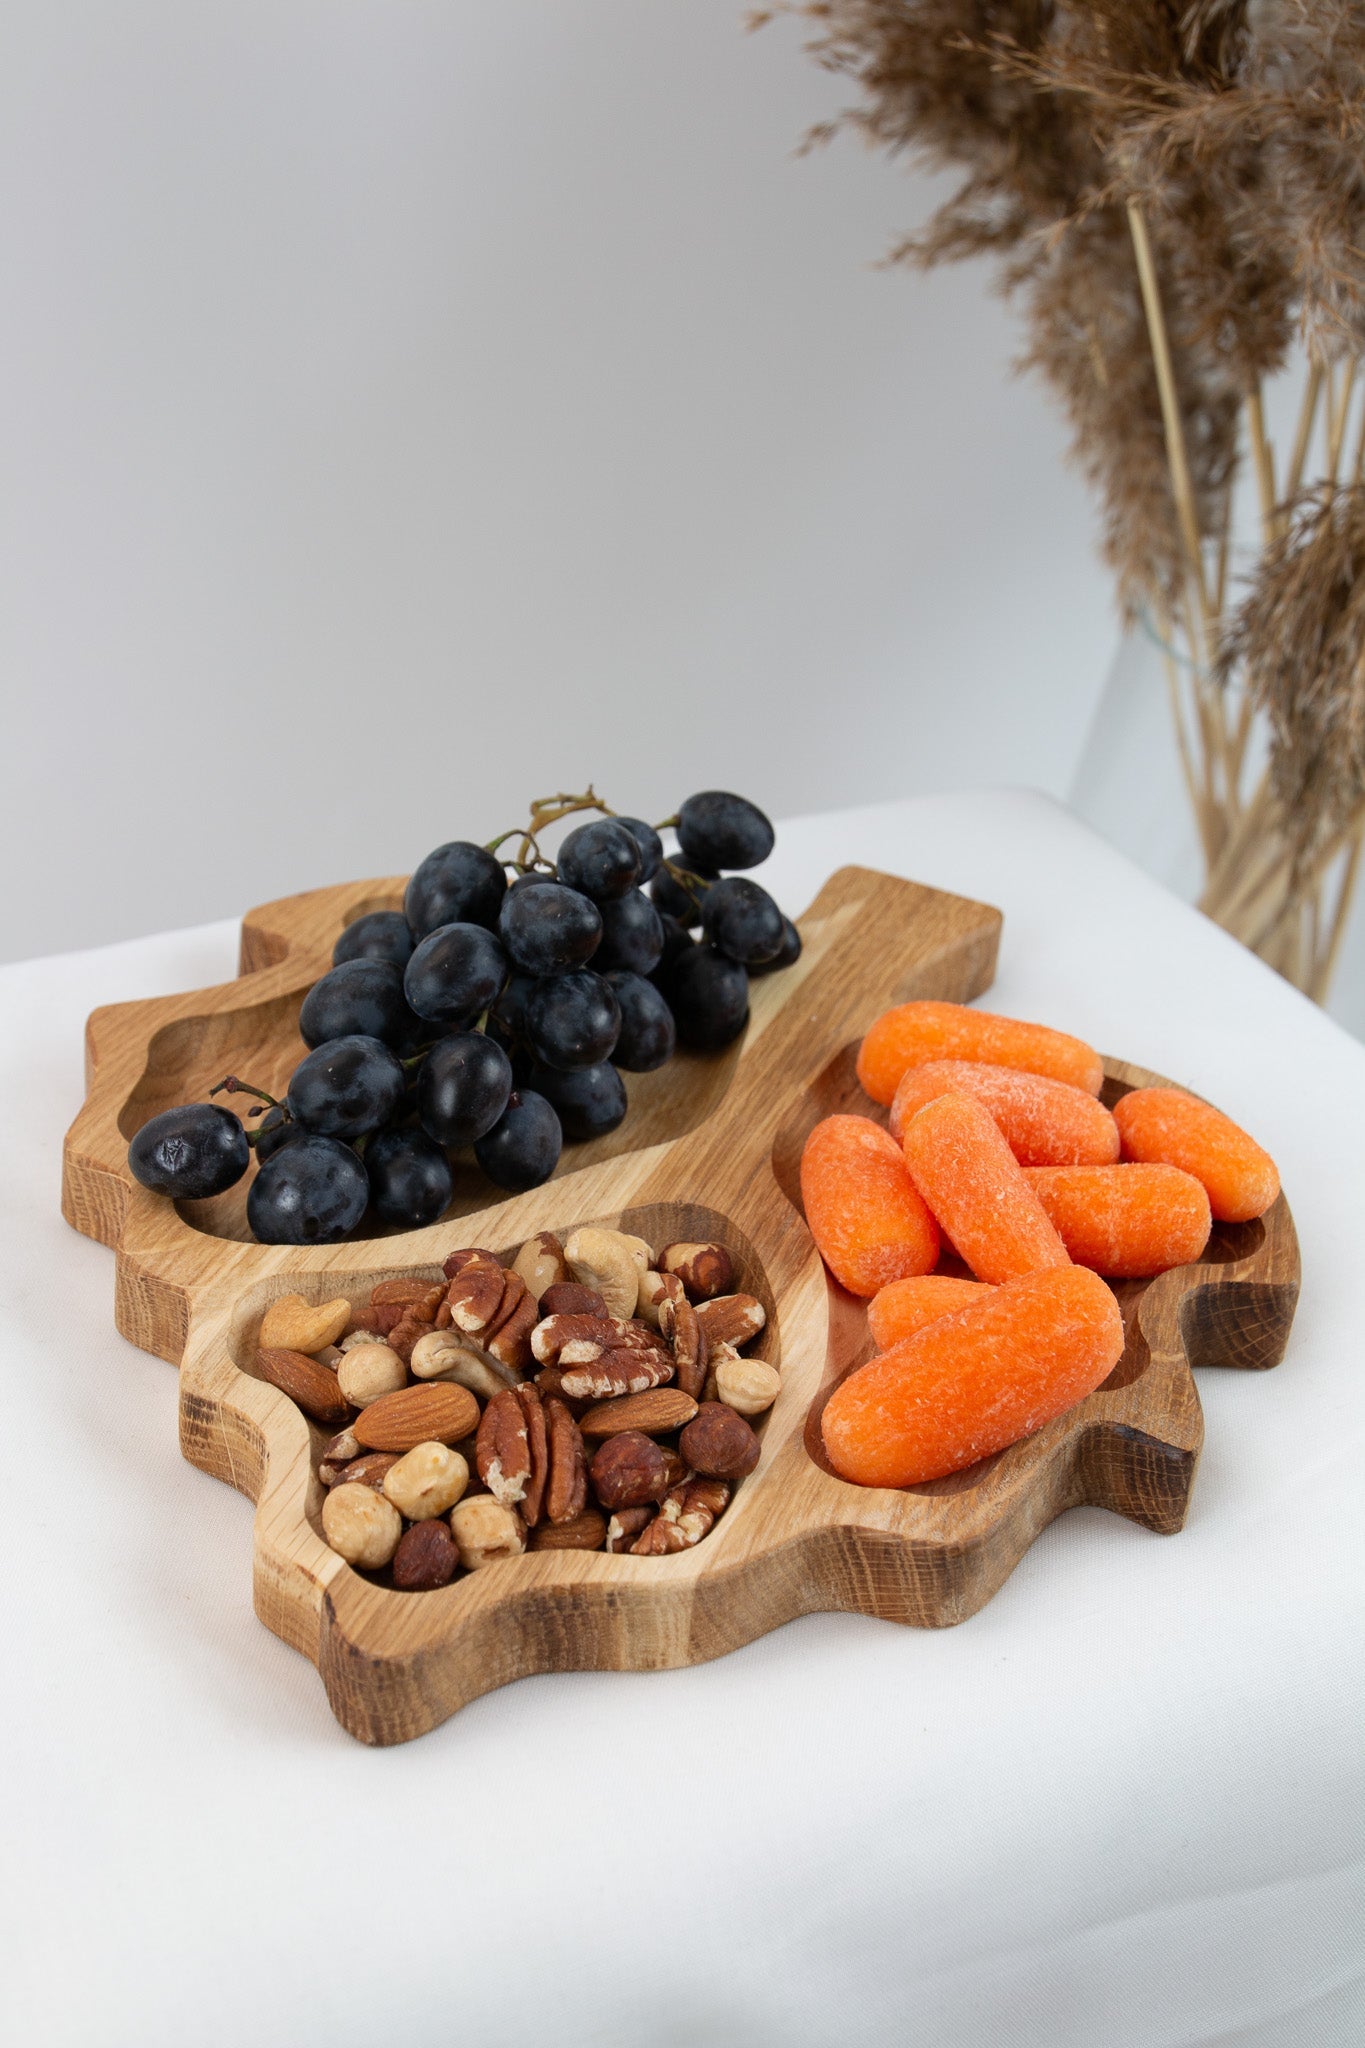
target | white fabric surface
[{"x": 1120, "y": 1808}]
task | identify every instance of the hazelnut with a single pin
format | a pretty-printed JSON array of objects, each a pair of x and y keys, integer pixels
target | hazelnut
[
  {"x": 427, "y": 1556},
  {"x": 354, "y": 1337},
  {"x": 485, "y": 1531},
  {"x": 426, "y": 1481},
  {"x": 719, "y": 1442},
  {"x": 369, "y": 1371},
  {"x": 361, "y": 1525},
  {"x": 746, "y": 1384},
  {"x": 704, "y": 1269},
  {"x": 628, "y": 1470}
]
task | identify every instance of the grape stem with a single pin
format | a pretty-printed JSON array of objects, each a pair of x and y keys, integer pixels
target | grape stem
[
  {"x": 686, "y": 880},
  {"x": 548, "y": 810},
  {"x": 230, "y": 1085}
]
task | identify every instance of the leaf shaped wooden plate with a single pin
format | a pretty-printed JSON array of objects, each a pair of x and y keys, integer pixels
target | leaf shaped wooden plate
[{"x": 711, "y": 1149}]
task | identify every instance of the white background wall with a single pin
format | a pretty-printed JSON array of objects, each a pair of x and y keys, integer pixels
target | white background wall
[{"x": 409, "y": 409}]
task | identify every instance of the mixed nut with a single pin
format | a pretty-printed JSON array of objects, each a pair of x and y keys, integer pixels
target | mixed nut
[{"x": 593, "y": 1395}]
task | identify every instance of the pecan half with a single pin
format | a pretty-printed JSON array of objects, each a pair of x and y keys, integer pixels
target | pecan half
[
  {"x": 511, "y": 1344},
  {"x": 686, "y": 1514},
  {"x": 537, "y": 1445},
  {"x": 405, "y": 1333},
  {"x": 457, "y": 1261},
  {"x": 567, "y": 1492},
  {"x": 731, "y": 1319},
  {"x": 502, "y": 1449},
  {"x": 586, "y": 1531},
  {"x": 625, "y": 1525},
  {"x": 681, "y": 1325},
  {"x": 615, "y": 1372},
  {"x": 513, "y": 1293},
  {"x": 407, "y": 1293},
  {"x": 475, "y": 1294},
  {"x": 367, "y": 1470},
  {"x": 608, "y": 1333}
]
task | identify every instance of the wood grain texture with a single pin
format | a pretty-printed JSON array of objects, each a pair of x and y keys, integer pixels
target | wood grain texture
[{"x": 715, "y": 1154}]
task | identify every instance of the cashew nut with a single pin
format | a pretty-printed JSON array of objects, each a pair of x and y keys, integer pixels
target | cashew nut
[
  {"x": 609, "y": 1261},
  {"x": 445, "y": 1355},
  {"x": 293, "y": 1324}
]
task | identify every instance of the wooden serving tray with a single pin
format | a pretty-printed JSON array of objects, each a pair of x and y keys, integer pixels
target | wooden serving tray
[{"x": 711, "y": 1148}]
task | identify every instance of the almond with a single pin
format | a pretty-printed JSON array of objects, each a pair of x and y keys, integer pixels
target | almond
[
  {"x": 310, "y": 1385},
  {"x": 437, "y": 1413},
  {"x": 653, "y": 1413},
  {"x": 293, "y": 1324}
]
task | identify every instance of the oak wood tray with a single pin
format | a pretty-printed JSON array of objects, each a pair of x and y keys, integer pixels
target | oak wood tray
[{"x": 711, "y": 1148}]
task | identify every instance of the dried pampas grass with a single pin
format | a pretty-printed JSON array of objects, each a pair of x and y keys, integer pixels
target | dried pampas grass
[{"x": 1175, "y": 195}]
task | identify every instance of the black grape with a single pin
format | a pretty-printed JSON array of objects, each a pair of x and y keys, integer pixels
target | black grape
[
  {"x": 741, "y": 920},
  {"x": 549, "y": 929},
  {"x": 276, "y": 1128},
  {"x": 648, "y": 1035},
  {"x": 671, "y": 899},
  {"x": 709, "y": 998},
  {"x": 361, "y": 996},
  {"x": 459, "y": 883},
  {"x": 190, "y": 1152},
  {"x": 455, "y": 973},
  {"x": 506, "y": 1020},
  {"x": 677, "y": 941},
  {"x": 462, "y": 1088},
  {"x": 588, "y": 1104},
  {"x": 310, "y": 1192},
  {"x": 381, "y": 935},
  {"x": 523, "y": 1147},
  {"x": 650, "y": 845},
  {"x": 572, "y": 1020},
  {"x": 410, "y": 1178},
  {"x": 601, "y": 859},
  {"x": 788, "y": 956},
  {"x": 718, "y": 830},
  {"x": 345, "y": 1088},
  {"x": 632, "y": 935}
]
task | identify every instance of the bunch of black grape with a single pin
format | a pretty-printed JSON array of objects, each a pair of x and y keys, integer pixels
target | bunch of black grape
[{"x": 495, "y": 1014}]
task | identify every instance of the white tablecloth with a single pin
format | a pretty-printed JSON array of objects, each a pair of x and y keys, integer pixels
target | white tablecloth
[{"x": 1120, "y": 1808}]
